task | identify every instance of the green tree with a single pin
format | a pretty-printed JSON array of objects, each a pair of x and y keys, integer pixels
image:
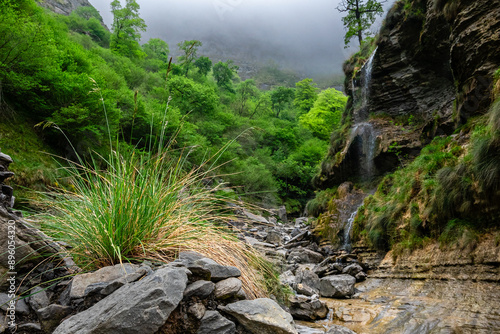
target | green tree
[
  {"x": 224, "y": 73},
  {"x": 280, "y": 97},
  {"x": 156, "y": 48},
  {"x": 189, "y": 49},
  {"x": 245, "y": 91},
  {"x": 306, "y": 94},
  {"x": 361, "y": 14},
  {"x": 326, "y": 113},
  {"x": 204, "y": 65},
  {"x": 127, "y": 25}
]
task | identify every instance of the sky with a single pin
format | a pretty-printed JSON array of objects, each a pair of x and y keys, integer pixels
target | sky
[{"x": 306, "y": 35}]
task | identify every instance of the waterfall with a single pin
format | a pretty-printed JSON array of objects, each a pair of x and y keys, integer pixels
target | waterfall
[
  {"x": 348, "y": 228},
  {"x": 367, "y": 78},
  {"x": 365, "y": 135}
]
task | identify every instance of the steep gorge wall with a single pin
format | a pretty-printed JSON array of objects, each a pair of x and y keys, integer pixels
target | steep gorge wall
[
  {"x": 432, "y": 70},
  {"x": 64, "y": 7}
]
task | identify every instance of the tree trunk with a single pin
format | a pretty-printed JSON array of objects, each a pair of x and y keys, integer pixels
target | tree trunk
[{"x": 358, "y": 18}]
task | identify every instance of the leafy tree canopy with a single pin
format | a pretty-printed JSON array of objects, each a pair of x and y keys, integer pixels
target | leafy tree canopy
[
  {"x": 189, "y": 50},
  {"x": 204, "y": 65},
  {"x": 280, "y": 97},
  {"x": 156, "y": 48},
  {"x": 305, "y": 95},
  {"x": 360, "y": 15},
  {"x": 326, "y": 114},
  {"x": 127, "y": 25},
  {"x": 224, "y": 73}
]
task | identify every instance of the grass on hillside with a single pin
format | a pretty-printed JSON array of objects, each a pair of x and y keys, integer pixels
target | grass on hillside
[
  {"x": 449, "y": 193},
  {"x": 34, "y": 167}
]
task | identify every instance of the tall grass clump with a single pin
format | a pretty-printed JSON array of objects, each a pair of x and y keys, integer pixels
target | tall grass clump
[
  {"x": 146, "y": 206},
  {"x": 134, "y": 205}
]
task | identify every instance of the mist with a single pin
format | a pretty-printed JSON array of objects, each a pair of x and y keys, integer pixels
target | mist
[{"x": 303, "y": 35}]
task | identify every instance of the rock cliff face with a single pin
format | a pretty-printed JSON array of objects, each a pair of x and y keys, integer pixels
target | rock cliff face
[
  {"x": 64, "y": 7},
  {"x": 432, "y": 70}
]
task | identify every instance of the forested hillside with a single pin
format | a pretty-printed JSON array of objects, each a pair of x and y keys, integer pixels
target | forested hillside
[{"x": 82, "y": 89}]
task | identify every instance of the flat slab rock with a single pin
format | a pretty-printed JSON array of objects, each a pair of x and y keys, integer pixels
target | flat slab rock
[
  {"x": 143, "y": 306},
  {"x": 196, "y": 262},
  {"x": 336, "y": 329},
  {"x": 337, "y": 286},
  {"x": 128, "y": 272},
  {"x": 261, "y": 316}
]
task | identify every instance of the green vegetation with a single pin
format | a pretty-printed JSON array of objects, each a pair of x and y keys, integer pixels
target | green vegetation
[
  {"x": 446, "y": 194},
  {"x": 60, "y": 72},
  {"x": 361, "y": 14}
]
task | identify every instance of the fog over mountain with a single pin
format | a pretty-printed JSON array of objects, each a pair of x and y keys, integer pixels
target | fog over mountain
[{"x": 304, "y": 35}]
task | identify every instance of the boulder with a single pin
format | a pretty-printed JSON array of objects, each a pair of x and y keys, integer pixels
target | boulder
[
  {"x": 50, "y": 317},
  {"x": 304, "y": 255},
  {"x": 273, "y": 237},
  {"x": 144, "y": 305},
  {"x": 31, "y": 245},
  {"x": 337, "y": 329},
  {"x": 197, "y": 263},
  {"x": 288, "y": 278},
  {"x": 214, "y": 323},
  {"x": 337, "y": 286},
  {"x": 307, "y": 277},
  {"x": 282, "y": 214},
  {"x": 305, "y": 290},
  {"x": 38, "y": 299},
  {"x": 352, "y": 269},
  {"x": 21, "y": 306},
  {"x": 261, "y": 316},
  {"x": 227, "y": 288},
  {"x": 255, "y": 218},
  {"x": 125, "y": 272},
  {"x": 307, "y": 308},
  {"x": 200, "y": 289}
]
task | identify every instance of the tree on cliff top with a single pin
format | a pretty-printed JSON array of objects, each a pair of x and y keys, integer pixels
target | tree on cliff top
[
  {"x": 361, "y": 14},
  {"x": 126, "y": 26}
]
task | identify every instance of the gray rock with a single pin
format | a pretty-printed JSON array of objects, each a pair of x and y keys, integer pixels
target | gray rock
[
  {"x": 337, "y": 286},
  {"x": 50, "y": 317},
  {"x": 21, "y": 306},
  {"x": 227, "y": 288},
  {"x": 274, "y": 237},
  {"x": 214, "y": 323},
  {"x": 308, "y": 277},
  {"x": 128, "y": 272},
  {"x": 361, "y": 276},
  {"x": 352, "y": 269},
  {"x": 301, "y": 221},
  {"x": 305, "y": 290},
  {"x": 201, "y": 289},
  {"x": 288, "y": 278},
  {"x": 307, "y": 308},
  {"x": 29, "y": 327},
  {"x": 30, "y": 243},
  {"x": 282, "y": 214},
  {"x": 197, "y": 310},
  {"x": 304, "y": 255},
  {"x": 196, "y": 262},
  {"x": 336, "y": 329},
  {"x": 241, "y": 294},
  {"x": 38, "y": 299},
  {"x": 145, "y": 304},
  {"x": 261, "y": 316},
  {"x": 255, "y": 218}
]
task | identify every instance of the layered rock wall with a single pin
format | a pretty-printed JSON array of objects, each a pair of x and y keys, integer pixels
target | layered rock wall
[
  {"x": 64, "y": 7},
  {"x": 432, "y": 70}
]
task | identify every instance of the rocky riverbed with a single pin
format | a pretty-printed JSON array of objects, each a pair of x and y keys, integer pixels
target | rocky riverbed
[{"x": 334, "y": 292}]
